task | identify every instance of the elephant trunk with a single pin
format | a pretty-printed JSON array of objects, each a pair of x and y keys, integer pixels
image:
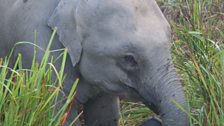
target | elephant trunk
[
  {"x": 171, "y": 92},
  {"x": 164, "y": 90}
]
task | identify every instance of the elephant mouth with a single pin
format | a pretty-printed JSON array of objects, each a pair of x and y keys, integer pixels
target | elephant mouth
[
  {"x": 136, "y": 95},
  {"x": 131, "y": 93}
]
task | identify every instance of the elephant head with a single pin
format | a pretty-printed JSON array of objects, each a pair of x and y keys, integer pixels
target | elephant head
[{"x": 123, "y": 45}]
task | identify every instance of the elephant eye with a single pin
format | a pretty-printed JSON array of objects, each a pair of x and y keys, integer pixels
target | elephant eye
[{"x": 130, "y": 60}]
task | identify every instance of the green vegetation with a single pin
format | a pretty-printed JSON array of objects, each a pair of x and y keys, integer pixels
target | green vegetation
[
  {"x": 198, "y": 53},
  {"x": 29, "y": 97}
]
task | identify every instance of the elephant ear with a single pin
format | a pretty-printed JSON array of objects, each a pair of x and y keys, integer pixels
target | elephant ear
[
  {"x": 154, "y": 7},
  {"x": 63, "y": 18}
]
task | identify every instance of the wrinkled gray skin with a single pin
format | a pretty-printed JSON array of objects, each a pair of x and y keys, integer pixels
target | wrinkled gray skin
[{"x": 116, "y": 48}]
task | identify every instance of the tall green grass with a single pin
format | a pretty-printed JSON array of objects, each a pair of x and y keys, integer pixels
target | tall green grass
[
  {"x": 200, "y": 63},
  {"x": 29, "y": 97},
  {"x": 198, "y": 53}
]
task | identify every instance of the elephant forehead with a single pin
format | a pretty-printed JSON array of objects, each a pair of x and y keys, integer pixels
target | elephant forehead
[{"x": 128, "y": 14}]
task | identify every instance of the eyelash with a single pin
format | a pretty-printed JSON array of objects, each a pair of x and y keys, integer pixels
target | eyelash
[{"x": 130, "y": 60}]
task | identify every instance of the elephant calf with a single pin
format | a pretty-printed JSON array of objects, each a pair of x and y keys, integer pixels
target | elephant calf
[{"x": 116, "y": 48}]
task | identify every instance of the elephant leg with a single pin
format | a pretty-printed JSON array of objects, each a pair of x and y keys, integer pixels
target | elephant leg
[{"x": 103, "y": 110}]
